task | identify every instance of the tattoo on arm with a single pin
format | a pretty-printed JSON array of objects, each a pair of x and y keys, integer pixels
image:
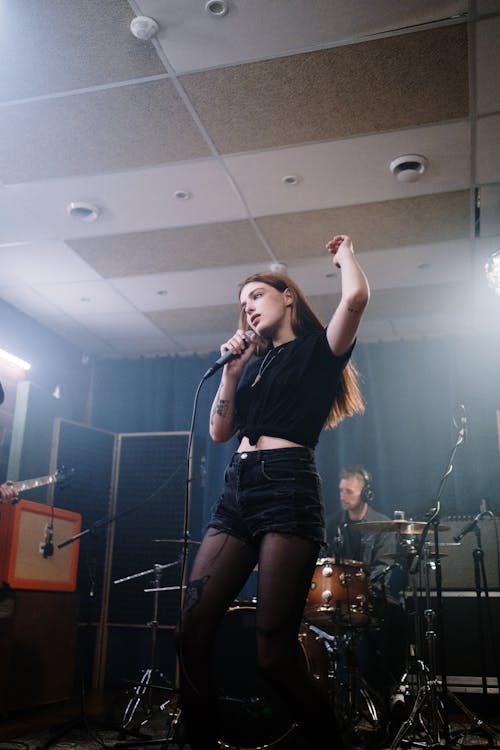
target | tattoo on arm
[
  {"x": 220, "y": 408},
  {"x": 353, "y": 309}
]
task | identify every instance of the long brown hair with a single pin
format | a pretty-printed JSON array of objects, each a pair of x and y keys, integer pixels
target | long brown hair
[{"x": 348, "y": 400}]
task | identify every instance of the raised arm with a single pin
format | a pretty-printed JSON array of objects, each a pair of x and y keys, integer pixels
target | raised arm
[
  {"x": 222, "y": 427},
  {"x": 343, "y": 326}
]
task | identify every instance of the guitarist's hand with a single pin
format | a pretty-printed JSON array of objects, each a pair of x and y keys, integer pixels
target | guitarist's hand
[{"x": 7, "y": 492}]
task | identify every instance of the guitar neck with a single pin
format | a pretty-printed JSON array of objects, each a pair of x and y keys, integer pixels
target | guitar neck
[{"x": 29, "y": 484}]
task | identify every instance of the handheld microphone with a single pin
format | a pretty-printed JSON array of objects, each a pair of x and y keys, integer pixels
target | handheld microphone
[{"x": 227, "y": 357}]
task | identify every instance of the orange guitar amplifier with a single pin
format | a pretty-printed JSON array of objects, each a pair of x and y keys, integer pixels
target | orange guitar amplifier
[{"x": 29, "y": 556}]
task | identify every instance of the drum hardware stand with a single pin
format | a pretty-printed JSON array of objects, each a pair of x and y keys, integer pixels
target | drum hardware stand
[
  {"x": 427, "y": 695},
  {"x": 143, "y": 692},
  {"x": 348, "y": 710}
]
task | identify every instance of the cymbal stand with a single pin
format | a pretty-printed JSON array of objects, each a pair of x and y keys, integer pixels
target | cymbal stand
[{"x": 142, "y": 697}]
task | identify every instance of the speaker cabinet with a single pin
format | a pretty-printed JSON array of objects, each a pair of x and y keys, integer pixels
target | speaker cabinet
[
  {"x": 471, "y": 636},
  {"x": 38, "y": 632},
  {"x": 26, "y": 528}
]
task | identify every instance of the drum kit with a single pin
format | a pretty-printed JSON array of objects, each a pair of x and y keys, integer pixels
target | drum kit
[{"x": 338, "y": 613}]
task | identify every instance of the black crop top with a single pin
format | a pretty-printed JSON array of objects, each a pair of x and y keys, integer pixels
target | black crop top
[{"x": 294, "y": 395}]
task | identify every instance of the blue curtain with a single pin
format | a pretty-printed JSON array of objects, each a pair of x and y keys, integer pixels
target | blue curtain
[{"x": 406, "y": 438}]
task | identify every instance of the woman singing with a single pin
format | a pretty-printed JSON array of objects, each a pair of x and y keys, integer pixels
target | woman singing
[{"x": 290, "y": 382}]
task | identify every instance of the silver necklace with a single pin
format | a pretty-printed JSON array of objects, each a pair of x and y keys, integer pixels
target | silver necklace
[{"x": 268, "y": 360}]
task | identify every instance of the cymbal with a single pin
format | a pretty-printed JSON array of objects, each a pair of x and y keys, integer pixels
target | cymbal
[
  {"x": 400, "y": 526},
  {"x": 176, "y": 541}
]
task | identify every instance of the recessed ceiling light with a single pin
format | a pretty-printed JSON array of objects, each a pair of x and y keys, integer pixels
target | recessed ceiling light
[
  {"x": 291, "y": 179},
  {"x": 83, "y": 211},
  {"x": 217, "y": 7},
  {"x": 408, "y": 168},
  {"x": 182, "y": 195}
]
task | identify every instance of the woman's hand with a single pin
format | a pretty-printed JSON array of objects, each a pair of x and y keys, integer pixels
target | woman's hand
[
  {"x": 339, "y": 247},
  {"x": 7, "y": 492},
  {"x": 242, "y": 346}
]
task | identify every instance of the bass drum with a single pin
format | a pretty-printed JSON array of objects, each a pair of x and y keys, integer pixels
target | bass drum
[{"x": 252, "y": 715}]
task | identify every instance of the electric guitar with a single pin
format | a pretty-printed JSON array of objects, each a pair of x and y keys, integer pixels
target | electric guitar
[{"x": 29, "y": 484}]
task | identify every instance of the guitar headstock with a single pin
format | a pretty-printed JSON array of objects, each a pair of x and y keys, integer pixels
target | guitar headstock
[{"x": 62, "y": 475}]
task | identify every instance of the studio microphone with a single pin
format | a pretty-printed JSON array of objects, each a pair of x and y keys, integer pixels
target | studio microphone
[
  {"x": 468, "y": 527},
  {"x": 227, "y": 357},
  {"x": 47, "y": 546}
]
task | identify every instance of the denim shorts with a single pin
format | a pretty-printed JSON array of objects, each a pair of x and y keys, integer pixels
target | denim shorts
[{"x": 276, "y": 490}]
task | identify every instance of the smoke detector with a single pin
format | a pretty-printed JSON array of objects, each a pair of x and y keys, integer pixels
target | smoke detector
[
  {"x": 408, "y": 168},
  {"x": 144, "y": 27}
]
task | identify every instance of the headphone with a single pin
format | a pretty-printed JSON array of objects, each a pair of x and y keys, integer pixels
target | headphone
[{"x": 367, "y": 493}]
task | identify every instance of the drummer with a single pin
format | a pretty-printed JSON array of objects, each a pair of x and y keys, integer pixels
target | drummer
[
  {"x": 384, "y": 643},
  {"x": 347, "y": 541}
]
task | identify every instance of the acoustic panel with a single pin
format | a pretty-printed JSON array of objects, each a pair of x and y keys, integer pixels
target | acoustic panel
[
  {"x": 151, "y": 491},
  {"x": 88, "y": 453}
]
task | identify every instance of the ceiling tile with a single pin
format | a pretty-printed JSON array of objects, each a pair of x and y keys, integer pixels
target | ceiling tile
[
  {"x": 30, "y": 262},
  {"x": 193, "y": 39},
  {"x": 199, "y": 289},
  {"x": 85, "y": 133},
  {"x": 130, "y": 201},
  {"x": 355, "y": 170},
  {"x": 84, "y": 297},
  {"x": 34, "y": 61},
  {"x": 177, "y": 249},
  {"x": 372, "y": 226},
  {"x": 386, "y": 84},
  {"x": 222, "y": 318}
]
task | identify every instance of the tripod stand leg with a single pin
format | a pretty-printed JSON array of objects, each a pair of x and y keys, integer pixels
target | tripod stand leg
[
  {"x": 420, "y": 701},
  {"x": 476, "y": 721}
]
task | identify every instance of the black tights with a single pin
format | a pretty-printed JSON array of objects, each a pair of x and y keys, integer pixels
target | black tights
[{"x": 221, "y": 567}]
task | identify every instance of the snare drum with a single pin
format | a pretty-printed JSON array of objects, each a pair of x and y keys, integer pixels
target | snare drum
[{"x": 338, "y": 595}]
